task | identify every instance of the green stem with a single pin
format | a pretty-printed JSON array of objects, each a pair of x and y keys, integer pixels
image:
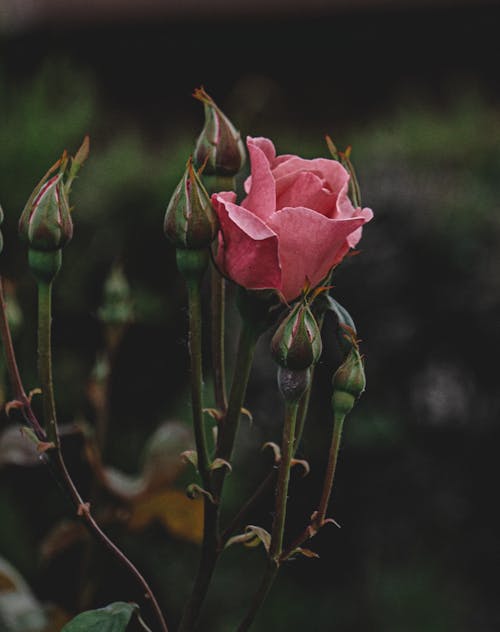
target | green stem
[
  {"x": 278, "y": 528},
  {"x": 49, "y": 409},
  {"x": 194, "y": 301},
  {"x": 283, "y": 480},
  {"x": 318, "y": 517},
  {"x": 227, "y": 434},
  {"x": 45, "y": 361},
  {"x": 228, "y": 426},
  {"x": 218, "y": 302}
]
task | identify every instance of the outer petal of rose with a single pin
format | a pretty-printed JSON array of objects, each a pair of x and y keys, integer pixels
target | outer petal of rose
[
  {"x": 261, "y": 198},
  {"x": 354, "y": 237},
  {"x": 305, "y": 189},
  {"x": 248, "y": 249},
  {"x": 331, "y": 171},
  {"x": 309, "y": 245}
]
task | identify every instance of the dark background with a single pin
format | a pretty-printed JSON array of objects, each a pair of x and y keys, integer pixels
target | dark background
[{"x": 416, "y": 92}]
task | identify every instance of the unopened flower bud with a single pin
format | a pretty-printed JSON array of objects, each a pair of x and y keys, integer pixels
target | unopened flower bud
[
  {"x": 349, "y": 382},
  {"x": 296, "y": 345},
  {"x": 190, "y": 221},
  {"x": 45, "y": 222},
  {"x": 219, "y": 147}
]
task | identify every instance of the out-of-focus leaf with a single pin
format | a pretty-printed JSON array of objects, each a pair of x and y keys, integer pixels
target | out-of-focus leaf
[
  {"x": 16, "y": 449},
  {"x": 162, "y": 462},
  {"x": 112, "y": 618},
  {"x": 181, "y": 516},
  {"x": 19, "y": 610}
]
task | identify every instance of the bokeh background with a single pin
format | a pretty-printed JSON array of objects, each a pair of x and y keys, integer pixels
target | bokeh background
[{"x": 413, "y": 87}]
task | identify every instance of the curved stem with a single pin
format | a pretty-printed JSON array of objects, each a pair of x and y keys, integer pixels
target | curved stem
[
  {"x": 49, "y": 409},
  {"x": 13, "y": 371}
]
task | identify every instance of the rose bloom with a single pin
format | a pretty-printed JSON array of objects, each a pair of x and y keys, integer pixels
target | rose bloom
[{"x": 294, "y": 225}]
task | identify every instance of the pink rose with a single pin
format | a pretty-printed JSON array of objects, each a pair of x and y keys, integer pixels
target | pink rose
[{"x": 294, "y": 225}]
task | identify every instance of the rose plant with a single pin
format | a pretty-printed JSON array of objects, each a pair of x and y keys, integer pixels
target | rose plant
[
  {"x": 294, "y": 225},
  {"x": 298, "y": 220}
]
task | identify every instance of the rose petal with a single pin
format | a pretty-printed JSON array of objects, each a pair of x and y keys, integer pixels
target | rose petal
[
  {"x": 354, "y": 237},
  {"x": 261, "y": 198},
  {"x": 248, "y": 249},
  {"x": 331, "y": 171},
  {"x": 305, "y": 189},
  {"x": 310, "y": 244}
]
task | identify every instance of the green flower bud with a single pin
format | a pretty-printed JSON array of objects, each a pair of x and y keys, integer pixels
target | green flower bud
[
  {"x": 190, "y": 221},
  {"x": 219, "y": 148},
  {"x": 45, "y": 222},
  {"x": 349, "y": 382},
  {"x": 297, "y": 343}
]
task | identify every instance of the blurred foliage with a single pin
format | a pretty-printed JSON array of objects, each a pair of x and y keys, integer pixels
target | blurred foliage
[{"x": 413, "y": 493}]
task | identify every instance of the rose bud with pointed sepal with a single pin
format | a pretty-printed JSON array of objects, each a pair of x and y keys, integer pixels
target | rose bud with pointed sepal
[
  {"x": 349, "y": 382},
  {"x": 219, "y": 148},
  {"x": 45, "y": 222},
  {"x": 296, "y": 344},
  {"x": 190, "y": 221}
]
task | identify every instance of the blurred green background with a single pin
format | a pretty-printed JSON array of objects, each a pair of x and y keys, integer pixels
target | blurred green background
[{"x": 415, "y": 91}]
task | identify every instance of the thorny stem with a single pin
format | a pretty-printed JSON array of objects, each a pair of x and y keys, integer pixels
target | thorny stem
[
  {"x": 227, "y": 434},
  {"x": 49, "y": 409},
  {"x": 318, "y": 517},
  {"x": 276, "y": 546},
  {"x": 209, "y": 551}
]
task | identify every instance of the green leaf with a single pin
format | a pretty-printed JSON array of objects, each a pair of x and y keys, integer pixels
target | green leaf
[{"x": 112, "y": 618}]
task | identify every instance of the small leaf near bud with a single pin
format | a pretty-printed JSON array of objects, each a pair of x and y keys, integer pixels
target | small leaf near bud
[
  {"x": 190, "y": 221},
  {"x": 296, "y": 345},
  {"x": 219, "y": 148}
]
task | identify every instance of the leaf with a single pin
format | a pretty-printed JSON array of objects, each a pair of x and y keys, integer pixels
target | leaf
[
  {"x": 181, "y": 516},
  {"x": 218, "y": 463},
  {"x": 305, "y": 552},
  {"x": 275, "y": 448},
  {"x": 190, "y": 456},
  {"x": 303, "y": 464},
  {"x": 112, "y": 618},
  {"x": 252, "y": 537}
]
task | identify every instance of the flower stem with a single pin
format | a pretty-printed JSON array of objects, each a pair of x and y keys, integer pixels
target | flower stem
[
  {"x": 195, "y": 326},
  {"x": 319, "y": 516},
  {"x": 276, "y": 546},
  {"x": 218, "y": 302},
  {"x": 45, "y": 361},
  {"x": 227, "y": 434},
  {"x": 228, "y": 426},
  {"x": 49, "y": 410},
  {"x": 13, "y": 370}
]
